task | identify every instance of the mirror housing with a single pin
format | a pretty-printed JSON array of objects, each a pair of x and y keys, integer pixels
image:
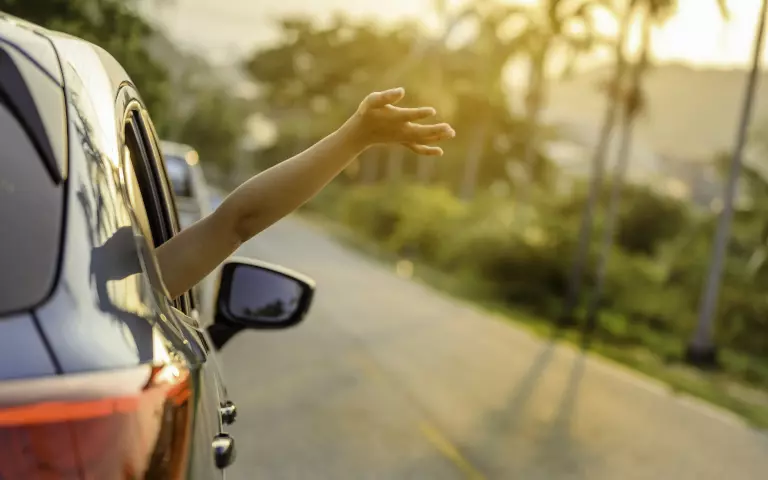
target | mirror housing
[{"x": 258, "y": 295}]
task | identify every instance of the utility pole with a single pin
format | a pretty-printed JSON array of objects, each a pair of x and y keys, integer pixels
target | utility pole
[{"x": 701, "y": 349}]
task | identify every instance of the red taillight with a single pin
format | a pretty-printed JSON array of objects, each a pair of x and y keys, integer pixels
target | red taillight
[{"x": 141, "y": 435}]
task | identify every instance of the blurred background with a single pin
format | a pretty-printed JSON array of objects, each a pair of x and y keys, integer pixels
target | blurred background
[{"x": 581, "y": 196}]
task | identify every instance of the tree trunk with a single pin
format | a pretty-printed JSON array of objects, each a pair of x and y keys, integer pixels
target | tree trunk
[
  {"x": 596, "y": 181},
  {"x": 701, "y": 350},
  {"x": 474, "y": 157},
  {"x": 611, "y": 224},
  {"x": 426, "y": 167},
  {"x": 533, "y": 110},
  {"x": 395, "y": 163},
  {"x": 370, "y": 166},
  {"x": 632, "y": 104}
]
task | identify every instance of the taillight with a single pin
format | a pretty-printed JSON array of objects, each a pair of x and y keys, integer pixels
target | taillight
[{"x": 145, "y": 434}]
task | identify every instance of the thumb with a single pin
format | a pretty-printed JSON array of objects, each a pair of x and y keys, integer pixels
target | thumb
[{"x": 387, "y": 97}]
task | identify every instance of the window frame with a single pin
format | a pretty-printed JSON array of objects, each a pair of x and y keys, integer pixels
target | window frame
[
  {"x": 162, "y": 221},
  {"x": 157, "y": 165}
]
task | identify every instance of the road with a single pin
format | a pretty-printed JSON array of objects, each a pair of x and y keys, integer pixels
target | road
[{"x": 387, "y": 379}]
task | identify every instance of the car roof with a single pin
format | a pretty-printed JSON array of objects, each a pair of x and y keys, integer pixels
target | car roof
[{"x": 59, "y": 55}]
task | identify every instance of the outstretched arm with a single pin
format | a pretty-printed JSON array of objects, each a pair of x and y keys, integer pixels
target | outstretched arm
[{"x": 269, "y": 196}]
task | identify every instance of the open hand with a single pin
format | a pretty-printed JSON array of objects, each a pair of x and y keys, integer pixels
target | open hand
[{"x": 378, "y": 120}]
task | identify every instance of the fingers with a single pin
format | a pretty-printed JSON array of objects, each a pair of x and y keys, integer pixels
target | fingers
[
  {"x": 387, "y": 97},
  {"x": 424, "y": 149},
  {"x": 419, "y": 133},
  {"x": 409, "y": 114}
]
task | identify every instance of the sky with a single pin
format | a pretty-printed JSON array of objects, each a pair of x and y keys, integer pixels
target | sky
[{"x": 224, "y": 30}]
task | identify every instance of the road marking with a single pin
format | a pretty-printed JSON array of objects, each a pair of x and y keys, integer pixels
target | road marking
[{"x": 444, "y": 446}]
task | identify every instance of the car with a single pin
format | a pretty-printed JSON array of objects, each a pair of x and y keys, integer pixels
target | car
[
  {"x": 193, "y": 196},
  {"x": 102, "y": 375}
]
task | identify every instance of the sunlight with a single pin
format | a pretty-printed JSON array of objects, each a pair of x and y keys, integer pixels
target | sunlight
[{"x": 696, "y": 34}]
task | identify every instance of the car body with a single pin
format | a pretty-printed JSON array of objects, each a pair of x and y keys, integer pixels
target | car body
[{"x": 102, "y": 375}]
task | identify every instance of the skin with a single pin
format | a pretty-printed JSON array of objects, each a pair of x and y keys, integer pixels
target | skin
[{"x": 269, "y": 196}]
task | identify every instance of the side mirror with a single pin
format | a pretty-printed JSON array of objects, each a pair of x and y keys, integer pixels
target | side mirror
[{"x": 258, "y": 295}]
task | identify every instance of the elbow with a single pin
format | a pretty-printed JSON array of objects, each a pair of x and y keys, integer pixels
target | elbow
[
  {"x": 230, "y": 225},
  {"x": 243, "y": 218}
]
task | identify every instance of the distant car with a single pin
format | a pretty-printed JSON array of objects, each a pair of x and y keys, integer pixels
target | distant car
[
  {"x": 193, "y": 196},
  {"x": 102, "y": 374}
]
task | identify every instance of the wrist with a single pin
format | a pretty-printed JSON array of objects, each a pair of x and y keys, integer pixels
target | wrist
[{"x": 352, "y": 135}]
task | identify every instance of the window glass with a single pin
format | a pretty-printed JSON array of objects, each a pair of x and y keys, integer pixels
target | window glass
[
  {"x": 31, "y": 208},
  {"x": 134, "y": 191}
]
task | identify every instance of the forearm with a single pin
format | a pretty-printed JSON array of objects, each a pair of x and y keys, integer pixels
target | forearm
[
  {"x": 255, "y": 205},
  {"x": 266, "y": 198},
  {"x": 278, "y": 191}
]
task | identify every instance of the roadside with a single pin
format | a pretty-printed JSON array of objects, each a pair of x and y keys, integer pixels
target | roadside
[{"x": 714, "y": 387}]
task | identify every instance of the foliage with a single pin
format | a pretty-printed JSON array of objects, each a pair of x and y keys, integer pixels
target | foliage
[
  {"x": 314, "y": 77},
  {"x": 213, "y": 121},
  {"x": 214, "y": 125}
]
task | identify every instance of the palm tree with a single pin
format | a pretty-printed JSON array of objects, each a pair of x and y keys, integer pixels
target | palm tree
[
  {"x": 546, "y": 31},
  {"x": 546, "y": 28},
  {"x": 491, "y": 55},
  {"x": 632, "y": 102},
  {"x": 425, "y": 50},
  {"x": 660, "y": 11},
  {"x": 701, "y": 350},
  {"x": 598, "y": 168}
]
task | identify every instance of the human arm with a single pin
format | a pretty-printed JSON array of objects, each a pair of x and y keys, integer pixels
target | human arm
[{"x": 269, "y": 196}]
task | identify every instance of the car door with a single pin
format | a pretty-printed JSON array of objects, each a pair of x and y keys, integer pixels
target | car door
[{"x": 161, "y": 222}]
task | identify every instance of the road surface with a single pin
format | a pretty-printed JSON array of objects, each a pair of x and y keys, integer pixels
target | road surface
[{"x": 387, "y": 379}]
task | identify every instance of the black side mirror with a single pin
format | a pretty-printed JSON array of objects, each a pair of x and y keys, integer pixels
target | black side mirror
[{"x": 258, "y": 295}]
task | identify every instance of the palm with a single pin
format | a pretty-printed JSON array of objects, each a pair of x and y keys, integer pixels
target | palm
[
  {"x": 653, "y": 11},
  {"x": 541, "y": 30}
]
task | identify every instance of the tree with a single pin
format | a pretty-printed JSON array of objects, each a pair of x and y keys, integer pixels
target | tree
[
  {"x": 632, "y": 103},
  {"x": 215, "y": 126},
  {"x": 314, "y": 77},
  {"x": 562, "y": 27},
  {"x": 596, "y": 176},
  {"x": 660, "y": 11}
]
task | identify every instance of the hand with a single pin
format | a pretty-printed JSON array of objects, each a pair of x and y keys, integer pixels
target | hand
[{"x": 378, "y": 120}]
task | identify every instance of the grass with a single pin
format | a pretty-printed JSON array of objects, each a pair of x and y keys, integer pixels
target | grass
[{"x": 717, "y": 387}]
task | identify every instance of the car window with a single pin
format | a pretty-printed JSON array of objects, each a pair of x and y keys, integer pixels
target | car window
[
  {"x": 145, "y": 197},
  {"x": 164, "y": 190},
  {"x": 31, "y": 211},
  {"x": 148, "y": 201},
  {"x": 134, "y": 195}
]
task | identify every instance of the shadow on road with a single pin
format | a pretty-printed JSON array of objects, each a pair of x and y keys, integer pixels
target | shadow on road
[
  {"x": 517, "y": 443},
  {"x": 558, "y": 447}
]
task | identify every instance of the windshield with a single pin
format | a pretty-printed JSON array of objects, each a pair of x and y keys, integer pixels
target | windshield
[{"x": 179, "y": 174}]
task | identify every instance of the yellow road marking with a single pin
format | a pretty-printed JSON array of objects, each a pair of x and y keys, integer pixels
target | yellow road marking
[{"x": 444, "y": 446}]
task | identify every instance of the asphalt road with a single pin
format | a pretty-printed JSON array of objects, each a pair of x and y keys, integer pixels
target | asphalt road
[{"x": 387, "y": 379}]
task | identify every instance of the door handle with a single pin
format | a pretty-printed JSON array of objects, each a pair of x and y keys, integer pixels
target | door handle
[
  {"x": 223, "y": 450},
  {"x": 228, "y": 413}
]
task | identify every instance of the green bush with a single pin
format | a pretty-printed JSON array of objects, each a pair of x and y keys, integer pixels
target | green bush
[
  {"x": 373, "y": 211},
  {"x": 427, "y": 219},
  {"x": 654, "y": 276}
]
